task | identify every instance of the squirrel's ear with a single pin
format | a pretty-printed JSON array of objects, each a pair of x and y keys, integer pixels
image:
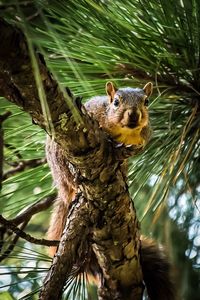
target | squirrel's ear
[
  {"x": 148, "y": 89},
  {"x": 110, "y": 90}
]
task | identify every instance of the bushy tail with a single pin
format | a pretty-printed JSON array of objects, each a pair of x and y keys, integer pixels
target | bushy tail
[
  {"x": 57, "y": 223},
  {"x": 63, "y": 177},
  {"x": 156, "y": 272}
]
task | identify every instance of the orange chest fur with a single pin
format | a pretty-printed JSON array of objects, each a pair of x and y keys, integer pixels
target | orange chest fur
[{"x": 127, "y": 136}]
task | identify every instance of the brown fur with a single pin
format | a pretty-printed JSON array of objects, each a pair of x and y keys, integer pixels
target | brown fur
[
  {"x": 127, "y": 123},
  {"x": 62, "y": 172},
  {"x": 156, "y": 271}
]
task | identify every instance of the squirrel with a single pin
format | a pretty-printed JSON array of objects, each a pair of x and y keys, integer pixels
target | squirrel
[{"x": 123, "y": 114}]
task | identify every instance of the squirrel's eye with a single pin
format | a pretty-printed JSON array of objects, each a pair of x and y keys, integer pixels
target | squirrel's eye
[
  {"x": 146, "y": 102},
  {"x": 116, "y": 102}
]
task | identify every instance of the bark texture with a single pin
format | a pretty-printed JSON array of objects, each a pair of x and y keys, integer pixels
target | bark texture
[
  {"x": 103, "y": 215},
  {"x": 73, "y": 247}
]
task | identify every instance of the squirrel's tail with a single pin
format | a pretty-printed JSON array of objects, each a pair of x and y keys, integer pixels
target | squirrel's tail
[
  {"x": 62, "y": 172},
  {"x": 57, "y": 223},
  {"x": 156, "y": 272},
  {"x": 58, "y": 218}
]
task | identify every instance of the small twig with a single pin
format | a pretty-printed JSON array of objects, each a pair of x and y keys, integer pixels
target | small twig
[
  {"x": 10, "y": 248},
  {"x": 33, "y": 16},
  {"x": 2, "y": 233},
  {"x": 25, "y": 236},
  {"x": 15, "y": 150},
  {"x": 24, "y": 164},
  {"x": 34, "y": 209},
  {"x": 24, "y": 218},
  {"x": 13, "y": 5},
  {"x": 2, "y": 119}
]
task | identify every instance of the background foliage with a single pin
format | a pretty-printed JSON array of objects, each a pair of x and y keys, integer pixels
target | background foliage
[{"x": 85, "y": 43}]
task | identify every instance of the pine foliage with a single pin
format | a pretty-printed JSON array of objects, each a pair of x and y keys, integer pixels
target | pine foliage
[{"x": 86, "y": 43}]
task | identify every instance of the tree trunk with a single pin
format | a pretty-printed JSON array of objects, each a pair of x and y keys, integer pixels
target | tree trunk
[{"x": 104, "y": 211}]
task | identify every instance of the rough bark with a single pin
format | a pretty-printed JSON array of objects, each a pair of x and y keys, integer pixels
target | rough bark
[
  {"x": 105, "y": 206},
  {"x": 73, "y": 246}
]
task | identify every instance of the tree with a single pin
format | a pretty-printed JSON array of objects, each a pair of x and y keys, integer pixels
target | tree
[
  {"x": 164, "y": 51},
  {"x": 89, "y": 144}
]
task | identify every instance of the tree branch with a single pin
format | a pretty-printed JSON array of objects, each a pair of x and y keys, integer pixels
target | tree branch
[
  {"x": 2, "y": 119},
  {"x": 24, "y": 218},
  {"x": 24, "y": 164},
  {"x": 15, "y": 151},
  {"x": 10, "y": 248},
  {"x": 10, "y": 225},
  {"x": 73, "y": 245},
  {"x": 108, "y": 209},
  {"x": 34, "y": 209}
]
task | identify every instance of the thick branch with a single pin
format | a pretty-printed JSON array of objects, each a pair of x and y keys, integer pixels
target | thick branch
[
  {"x": 17, "y": 84},
  {"x": 115, "y": 229},
  {"x": 72, "y": 247}
]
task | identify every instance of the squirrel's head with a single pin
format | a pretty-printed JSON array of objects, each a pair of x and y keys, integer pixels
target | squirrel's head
[{"x": 127, "y": 110}]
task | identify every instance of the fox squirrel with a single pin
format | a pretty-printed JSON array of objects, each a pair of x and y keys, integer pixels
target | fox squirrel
[{"x": 123, "y": 114}]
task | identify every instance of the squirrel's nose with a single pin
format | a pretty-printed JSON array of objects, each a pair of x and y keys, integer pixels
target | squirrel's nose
[{"x": 133, "y": 118}]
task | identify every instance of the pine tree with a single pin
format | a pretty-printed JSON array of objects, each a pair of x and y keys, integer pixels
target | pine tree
[{"x": 85, "y": 43}]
